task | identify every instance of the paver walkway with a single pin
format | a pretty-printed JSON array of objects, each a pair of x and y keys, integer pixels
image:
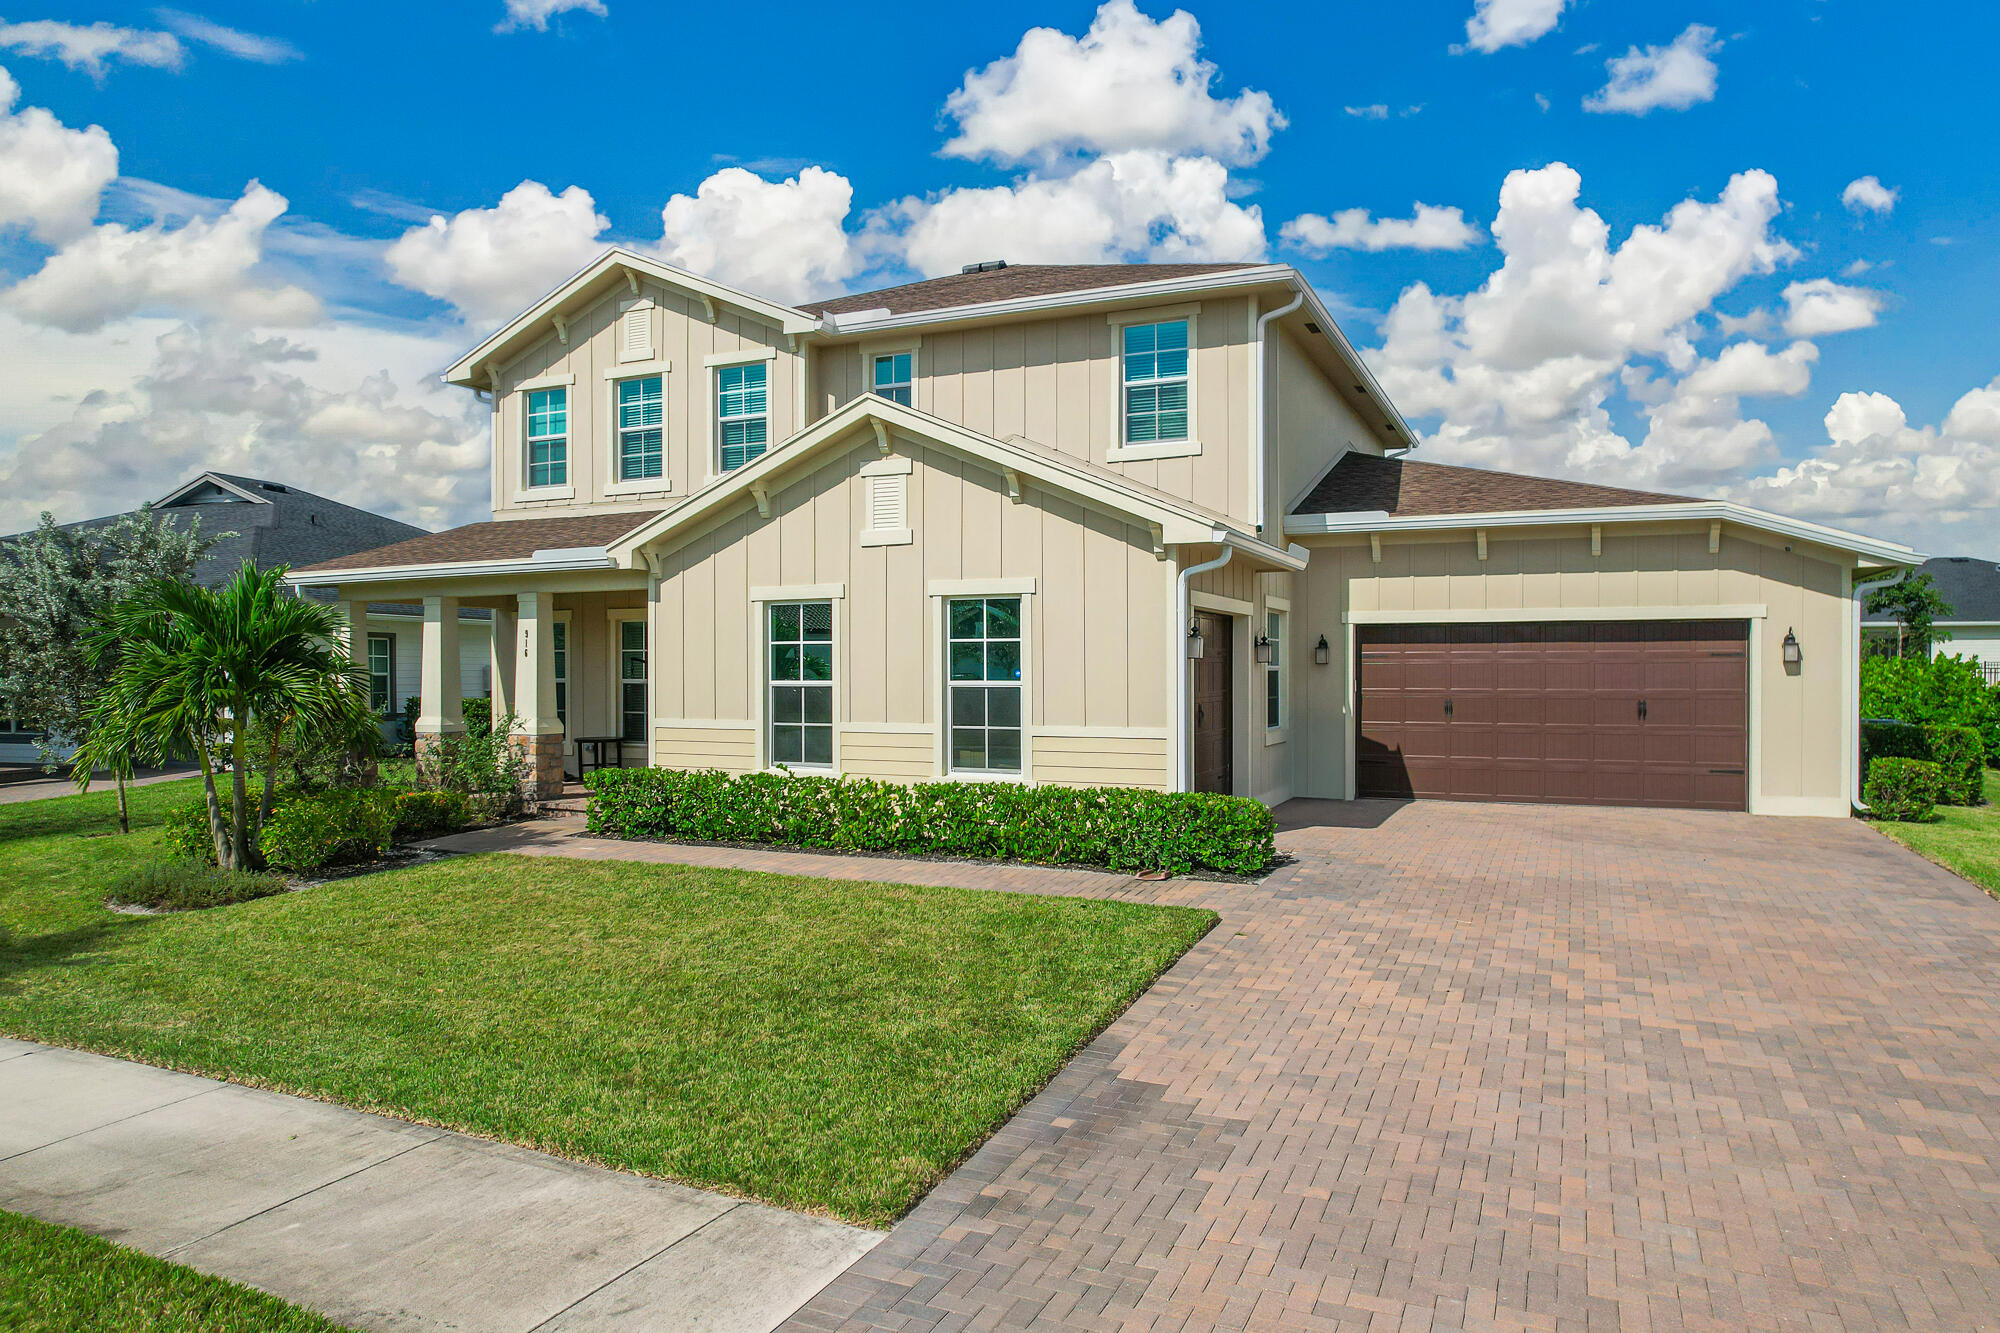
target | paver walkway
[{"x": 383, "y": 1224}]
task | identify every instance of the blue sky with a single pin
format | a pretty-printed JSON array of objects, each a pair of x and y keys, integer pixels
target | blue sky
[{"x": 303, "y": 343}]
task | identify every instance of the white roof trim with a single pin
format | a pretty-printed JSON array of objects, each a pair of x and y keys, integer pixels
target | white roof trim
[
  {"x": 214, "y": 479},
  {"x": 540, "y": 562},
  {"x": 472, "y": 364},
  {"x": 1705, "y": 510}
]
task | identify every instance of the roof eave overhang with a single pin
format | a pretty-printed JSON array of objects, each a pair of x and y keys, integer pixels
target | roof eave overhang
[
  {"x": 1361, "y": 523},
  {"x": 541, "y": 562}
]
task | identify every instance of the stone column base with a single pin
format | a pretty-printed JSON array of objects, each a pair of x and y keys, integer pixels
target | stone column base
[{"x": 544, "y": 754}]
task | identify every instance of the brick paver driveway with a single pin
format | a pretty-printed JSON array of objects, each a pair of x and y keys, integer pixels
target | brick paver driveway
[{"x": 1509, "y": 1067}]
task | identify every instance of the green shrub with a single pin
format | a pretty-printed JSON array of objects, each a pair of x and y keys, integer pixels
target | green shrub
[
  {"x": 310, "y": 832},
  {"x": 426, "y": 814},
  {"x": 478, "y": 715},
  {"x": 1961, "y": 759},
  {"x": 1942, "y": 691},
  {"x": 1119, "y": 828},
  {"x": 184, "y": 886},
  {"x": 1902, "y": 789},
  {"x": 185, "y": 831},
  {"x": 482, "y": 766}
]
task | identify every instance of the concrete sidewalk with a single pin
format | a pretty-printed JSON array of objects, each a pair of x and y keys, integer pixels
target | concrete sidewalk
[{"x": 383, "y": 1224}]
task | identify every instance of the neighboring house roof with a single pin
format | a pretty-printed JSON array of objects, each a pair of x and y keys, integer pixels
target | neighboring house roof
[
  {"x": 1399, "y": 487},
  {"x": 1013, "y": 282},
  {"x": 505, "y": 539},
  {"x": 1969, "y": 584}
]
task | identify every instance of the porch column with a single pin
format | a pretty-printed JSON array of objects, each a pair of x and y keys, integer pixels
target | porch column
[
  {"x": 504, "y": 655},
  {"x": 538, "y": 732},
  {"x": 439, "y": 712}
]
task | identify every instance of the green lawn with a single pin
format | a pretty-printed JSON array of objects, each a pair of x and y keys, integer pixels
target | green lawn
[
  {"x": 1965, "y": 839},
  {"x": 820, "y": 1045},
  {"x": 59, "y": 1280}
]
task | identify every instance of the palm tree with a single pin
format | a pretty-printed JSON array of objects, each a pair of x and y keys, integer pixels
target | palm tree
[{"x": 195, "y": 669}]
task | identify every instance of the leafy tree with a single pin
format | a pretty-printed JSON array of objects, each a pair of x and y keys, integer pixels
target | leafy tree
[
  {"x": 1946, "y": 690},
  {"x": 1915, "y": 605},
  {"x": 201, "y": 671},
  {"x": 54, "y": 585}
]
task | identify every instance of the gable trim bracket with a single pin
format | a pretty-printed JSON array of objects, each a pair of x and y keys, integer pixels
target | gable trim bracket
[
  {"x": 1013, "y": 476},
  {"x": 762, "y": 495}
]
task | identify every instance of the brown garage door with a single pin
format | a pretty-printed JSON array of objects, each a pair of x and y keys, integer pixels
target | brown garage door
[{"x": 1594, "y": 713}]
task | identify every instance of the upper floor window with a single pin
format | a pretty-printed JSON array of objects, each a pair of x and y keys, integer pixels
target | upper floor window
[
  {"x": 548, "y": 437},
  {"x": 892, "y": 376},
  {"x": 1156, "y": 382},
  {"x": 641, "y": 417},
  {"x": 742, "y": 412}
]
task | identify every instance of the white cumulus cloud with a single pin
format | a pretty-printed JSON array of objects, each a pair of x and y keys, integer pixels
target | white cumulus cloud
[
  {"x": 1127, "y": 83},
  {"x": 784, "y": 239},
  {"x": 1430, "y": 227},
  {"x": 492, "y": 262},
  {"x": 91, "y": 47},
  {"x": 205, "y": 265},
  {"x": 1822, "y": 306},
  {"x": 1676, "y": 76},
  {"x": 537, "y": 13},
  {"x": 51, "y": 177},
  {"x": 1498, "y": 23},
  {"x": 1868, "y": 195}
]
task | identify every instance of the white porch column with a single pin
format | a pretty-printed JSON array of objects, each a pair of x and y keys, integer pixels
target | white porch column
[
  {"x": 504, "y": 656},
  {"x": 537, "y": 730},
  {"x": 440, "y": 713}
]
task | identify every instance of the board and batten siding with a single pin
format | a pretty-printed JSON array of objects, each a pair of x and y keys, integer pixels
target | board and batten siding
[
  {"x": 683, "y": 338},
  {"x": 1798, "y": 761},
  {"x": 1056, "y": 382},
  {"x": 1095, "y": 625},
  {"x": 1310, "y": 423}
]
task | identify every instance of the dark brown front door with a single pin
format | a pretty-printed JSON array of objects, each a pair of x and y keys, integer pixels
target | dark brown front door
[
  {"x": 1214, "y": 707},
  {"x": 1590, "y": 713}
]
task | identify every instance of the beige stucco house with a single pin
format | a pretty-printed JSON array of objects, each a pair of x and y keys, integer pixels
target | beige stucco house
[{"x": 1148, "y": 525}]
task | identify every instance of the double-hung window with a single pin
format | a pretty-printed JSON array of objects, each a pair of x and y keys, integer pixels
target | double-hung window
[
  {"x": 891, "y": 377},
  {"x": 1274, "y": 675},
  {"x": 801, "y": 649},
  {"x": 382, "y": 672},
  {"x": 642, "y": 409},
  {"x": 984, "y": 650},
  {"x": 742, "y": 412},
  {"x": 1156, "y": 382},
  {"x": 548, "y": 437}
]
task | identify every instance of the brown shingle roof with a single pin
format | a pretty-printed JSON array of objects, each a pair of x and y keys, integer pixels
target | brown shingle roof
[
  {"x": 1363, "y": 483},
  {"x": 514, "y": 539},
  {"x": 1007, "y": 284}
]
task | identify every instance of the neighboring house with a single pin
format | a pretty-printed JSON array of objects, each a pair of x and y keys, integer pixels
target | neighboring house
[
  {"x": 1971, "y": 587},
  {"x": 1111, "y": 524},
  {"x": 278, "y": 524}
]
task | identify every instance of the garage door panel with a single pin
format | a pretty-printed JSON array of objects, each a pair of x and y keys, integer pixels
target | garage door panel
[{"x": 1550, "y": 711}]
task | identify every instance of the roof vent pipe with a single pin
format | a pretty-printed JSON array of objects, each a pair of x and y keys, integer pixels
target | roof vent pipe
[
  {"x": 984, "y": 266},
  {"x": 1262, "y": 389}
]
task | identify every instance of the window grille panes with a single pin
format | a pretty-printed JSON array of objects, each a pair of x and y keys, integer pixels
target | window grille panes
[
  {"x": 548, "y": 437},
  {"x": 742, "y": 412},
  {"x": 560, "y": 642},
  {"x": 801, "y": 648},
  {"x": 382, "y": 672},
  {"x": 984, "y": 650},
  {"x": 641, "y": 428},
  {"x": 1156, "y": 382},
  {"x": 632, "y": 679},
  {"x": 1274, "y": 704},
  {"x": 892, "y": 377}
]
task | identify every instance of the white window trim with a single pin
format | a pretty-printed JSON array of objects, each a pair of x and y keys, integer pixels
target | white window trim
[
  {"x": 942, "y": 592},
  {"x": 569, "y": 673},
  {"x": 1277, "y": 735},
  {"x": 912, "y": 349},
  {"x": 613, "y": 618},
  {"x": 1120, "y": 451},
  {"x": 545, "y": 382},
  {"x": 639, "y": 370},
  {"x": 740, "y": 358},
  {"x": 565, "y": 489},
  {"x": 714, "y": 428},
  {"x": 835, "y": 596}
]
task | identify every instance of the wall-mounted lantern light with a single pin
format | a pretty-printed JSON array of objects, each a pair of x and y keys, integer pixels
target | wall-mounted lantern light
[
  {"x": 1321, "y": 651},
  {"x": 1263, "y": 648},
  {"x": 1194, "y": 641},
  {"x": 1791, "y": 649}
]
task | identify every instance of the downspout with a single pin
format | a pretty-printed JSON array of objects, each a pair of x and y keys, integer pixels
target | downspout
[
  {"x": 1181, "y": 782},
  {"x": 1860, "y": 594},
  {"x": 1263, "y": 395}
]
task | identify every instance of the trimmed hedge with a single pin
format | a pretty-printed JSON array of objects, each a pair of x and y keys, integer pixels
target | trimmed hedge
[
  {"x": 329, "y": 828},
  {"x": 1115, "y": 827},
  {"x": 1902, "y": 789},
  {"x": 1958, "y": 751},
  {"x": 427, "y": 814}
]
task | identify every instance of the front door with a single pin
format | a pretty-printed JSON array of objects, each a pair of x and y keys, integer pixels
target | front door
[{"x": 1214, "y": 708}]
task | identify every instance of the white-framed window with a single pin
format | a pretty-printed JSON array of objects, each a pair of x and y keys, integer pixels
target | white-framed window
[
  {"x": 891, "y": 376},
  {"x": 742, "y": 413},
  {"x": 641, "y": 427},
  {"x": 799, "y": 646},
  {"x": 559, "y": 642},
  {"x": 1274, "y": 674},
  {"x": 382, "y": 673},
  {"x": 1154, "y": 358},
  {"x": 983, "y": 657},
  {"x": 632, "y": 712},
  {"x": 548, "y": 437}
]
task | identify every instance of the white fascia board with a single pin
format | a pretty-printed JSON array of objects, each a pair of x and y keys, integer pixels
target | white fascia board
[
  {"x": 541, "y": 562},
  {"x": 213, "y": 479},
  {"x": 1308, "y": 525},
  {"x": 473, "y": 362}
]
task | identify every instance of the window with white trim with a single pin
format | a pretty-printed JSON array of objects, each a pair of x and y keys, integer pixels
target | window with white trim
[
  {"x": 892, "y": 377},
  {"x": 1274, "y": 678},
  {"x": 800, "y": 646},
  {"x": 559, "y": 642},
  {"x": 1155, "y": 359},
  {"x": 382, "y": 672},
  {"x": 642, "y": 412},
  {"x": 632, "y": 681},
  {"x": 742, "y": 413},
  {"x": 983, "y": 647},
  {"x": 548, "y": 437}
]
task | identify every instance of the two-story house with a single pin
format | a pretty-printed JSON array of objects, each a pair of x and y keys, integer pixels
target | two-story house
[{"x": 1146, "y": 525}]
